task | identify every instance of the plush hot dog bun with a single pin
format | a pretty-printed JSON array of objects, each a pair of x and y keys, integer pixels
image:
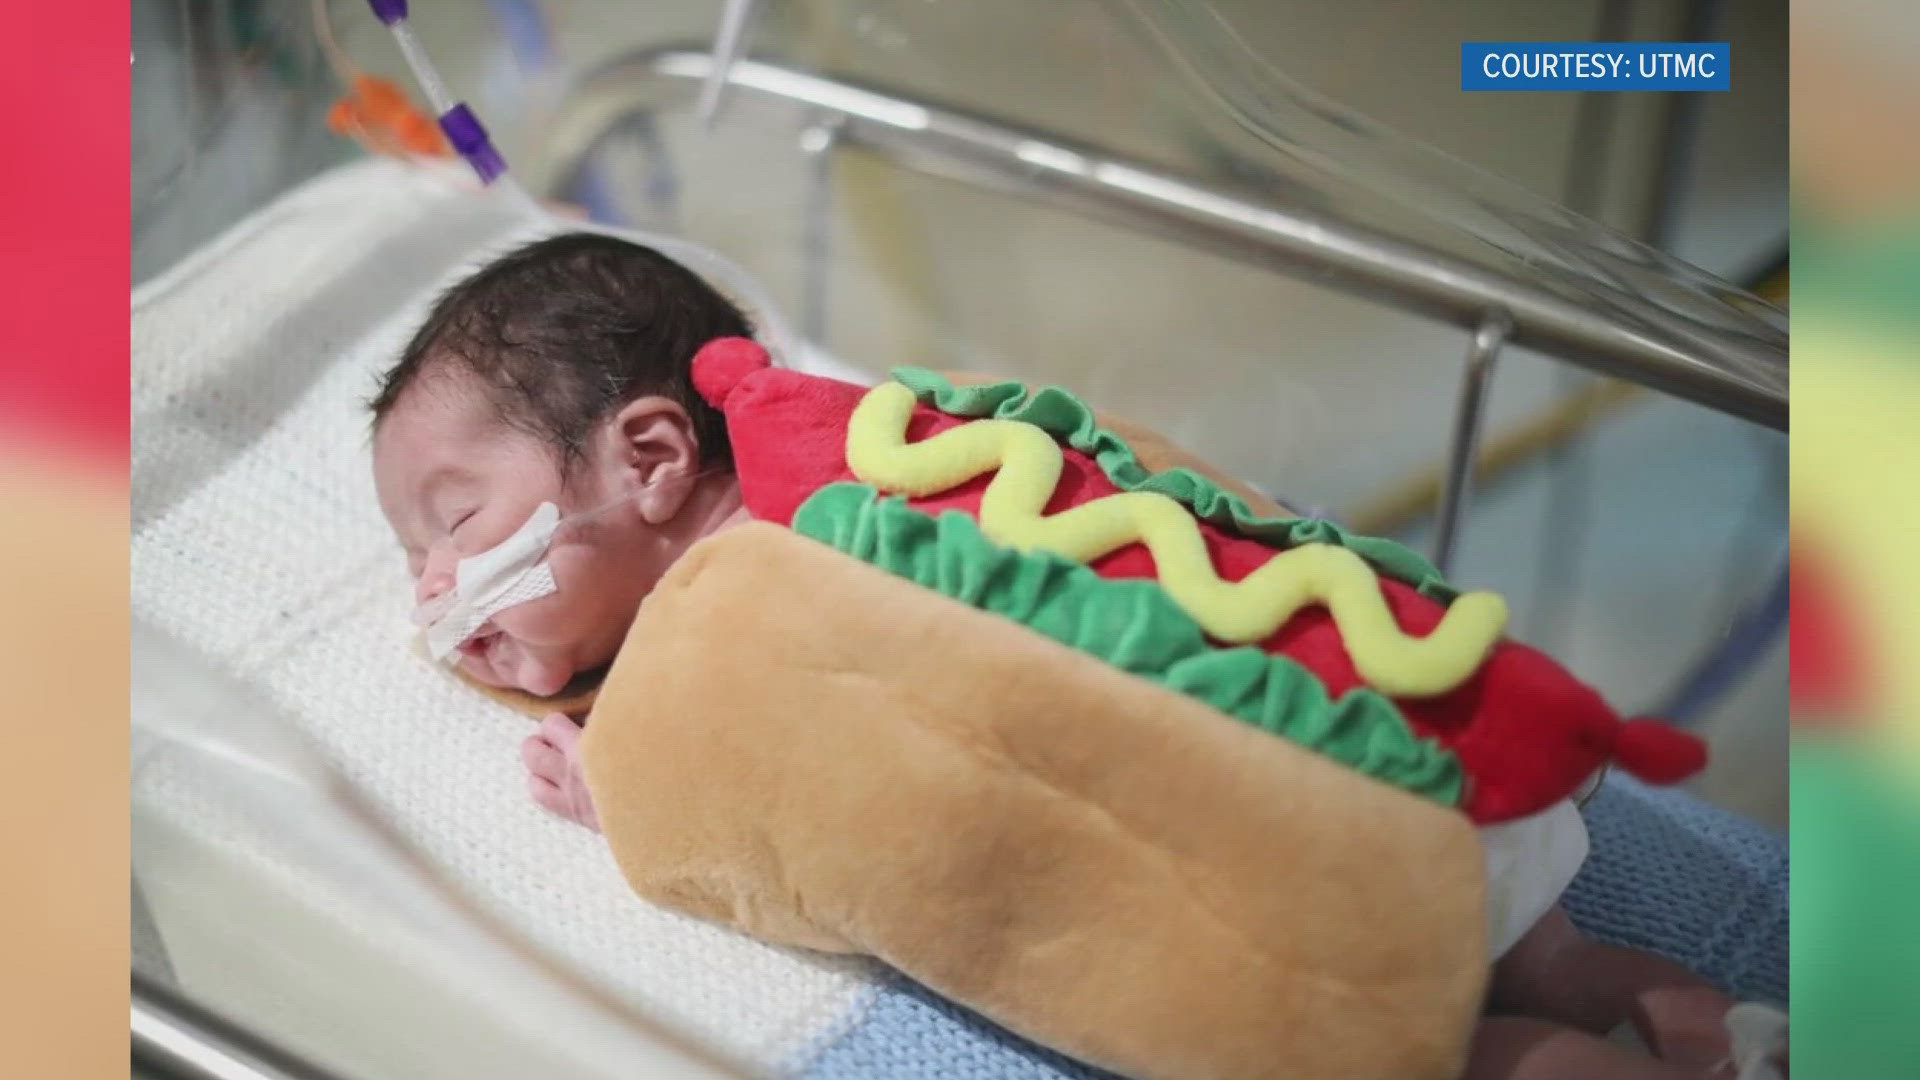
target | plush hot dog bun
[{"x": 818, "y": 753}]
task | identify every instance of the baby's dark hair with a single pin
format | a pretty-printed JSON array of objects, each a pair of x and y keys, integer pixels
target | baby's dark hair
[{"x": 567, "y": 330}]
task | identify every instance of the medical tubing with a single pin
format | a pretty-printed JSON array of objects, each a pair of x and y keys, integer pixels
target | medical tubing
[
  {"x": 470, "y": 141},
  {"x": 423, "y": 70},
  {"x": 469, "y": 137},
  {"x": 581, "y": 517},
  {"x": 463, "y": 129}
]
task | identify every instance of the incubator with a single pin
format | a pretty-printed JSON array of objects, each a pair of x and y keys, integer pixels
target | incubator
[{"x": 335, "y": 873}]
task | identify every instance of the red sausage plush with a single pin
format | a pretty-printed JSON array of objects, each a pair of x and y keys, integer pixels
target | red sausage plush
[{"x": 1526, "y": 732}]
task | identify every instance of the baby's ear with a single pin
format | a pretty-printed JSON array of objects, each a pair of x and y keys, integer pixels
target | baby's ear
[{"x": 651, "y": 446}]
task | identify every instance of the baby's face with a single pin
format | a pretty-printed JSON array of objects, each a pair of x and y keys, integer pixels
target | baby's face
[{"x": 454, "y": 481}]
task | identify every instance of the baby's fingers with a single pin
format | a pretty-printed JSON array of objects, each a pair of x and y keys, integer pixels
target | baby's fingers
[
  {"x": 547, "y": 795},
  {"x": 542, "y": 759},
  {"x": 560, "y": 731}
]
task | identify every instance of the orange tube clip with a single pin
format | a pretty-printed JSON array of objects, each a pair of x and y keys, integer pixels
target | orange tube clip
[{"x": 378, "y": 115}]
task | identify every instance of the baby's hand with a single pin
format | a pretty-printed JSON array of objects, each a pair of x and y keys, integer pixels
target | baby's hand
[{"x": 552, "y": 755}]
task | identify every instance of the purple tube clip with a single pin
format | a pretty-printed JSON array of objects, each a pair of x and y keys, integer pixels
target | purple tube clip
[
  {"x": 470, "y": 140},
  {"x": 388, "y": 11}
]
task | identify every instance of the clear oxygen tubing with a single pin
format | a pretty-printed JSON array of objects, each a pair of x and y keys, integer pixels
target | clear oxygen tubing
[{"x": 470, "y": 139}]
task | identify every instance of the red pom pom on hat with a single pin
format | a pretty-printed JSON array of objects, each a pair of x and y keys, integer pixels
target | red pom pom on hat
[
  {"x": 1658, "y": 753},
  {"x": 723, "y": 364}
]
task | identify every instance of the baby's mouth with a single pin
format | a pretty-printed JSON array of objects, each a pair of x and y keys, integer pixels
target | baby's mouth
[{"x": 480, "y": 644}]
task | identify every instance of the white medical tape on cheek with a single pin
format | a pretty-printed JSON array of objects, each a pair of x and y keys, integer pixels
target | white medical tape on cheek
[
  {"x": 510, "y": 573},
  {"x": 506, "y": 575},
  {"x": 459, "y": 624}
]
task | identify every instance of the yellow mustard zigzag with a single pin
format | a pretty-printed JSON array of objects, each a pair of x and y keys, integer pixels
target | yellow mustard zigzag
[{"x": 1238, "y": 613}]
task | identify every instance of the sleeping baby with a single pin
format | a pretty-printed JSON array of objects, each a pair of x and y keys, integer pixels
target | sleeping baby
[{"x": 542, "y": 432}]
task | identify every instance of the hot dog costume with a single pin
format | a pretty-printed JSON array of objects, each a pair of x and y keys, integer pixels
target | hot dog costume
[{"x": 1082, "y": 735}]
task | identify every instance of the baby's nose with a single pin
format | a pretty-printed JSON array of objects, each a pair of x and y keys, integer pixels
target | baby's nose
[{"x": 432, "y": 585}]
